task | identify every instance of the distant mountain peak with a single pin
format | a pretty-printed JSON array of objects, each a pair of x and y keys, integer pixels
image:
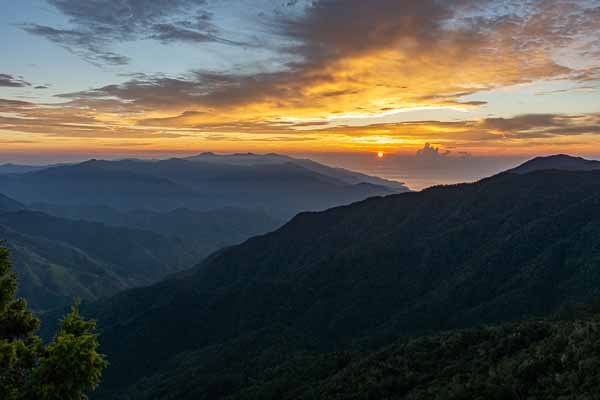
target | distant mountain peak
[{"x": 562, "y": 162}]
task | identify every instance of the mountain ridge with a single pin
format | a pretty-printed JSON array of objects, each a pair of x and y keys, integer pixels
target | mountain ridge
[
  {"x": 282, "y": 189},
  {"x": 507, "y": 247},
  {"x": 561, "y": 162}
]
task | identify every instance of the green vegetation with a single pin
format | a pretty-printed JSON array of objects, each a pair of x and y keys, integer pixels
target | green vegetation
[
  {"x": 354, "y": 278},
  {"x": 203, "y": 231},
  {"x": 382, "y": 299},
  {"x": 64, "y": 369},
  {"x": 538, "y": 359},
  {"x": 60, "y": 258}
]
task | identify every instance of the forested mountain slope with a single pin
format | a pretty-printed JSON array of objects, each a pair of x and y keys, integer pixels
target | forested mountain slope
[
  {"x": 504, "y": 248},
  {"x": 545, "y": 359},
  {"x": 57, "y": 259}
]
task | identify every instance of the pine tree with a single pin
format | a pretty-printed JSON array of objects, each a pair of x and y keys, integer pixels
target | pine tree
[{"x": 64, "y": 369}]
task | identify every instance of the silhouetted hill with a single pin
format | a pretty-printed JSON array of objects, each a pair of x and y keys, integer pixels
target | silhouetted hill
[
  {"x": 559, "y": 162},
  {"x": 282, "y": 189},
  {"x": 507, "y": 247},
  {"x": 249, "y": 159},
  {"x": 89, "y": 183}
]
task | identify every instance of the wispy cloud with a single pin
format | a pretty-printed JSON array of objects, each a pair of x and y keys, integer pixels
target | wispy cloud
[
  {"x": 332, "y": 60},
  {"x": 7, "y": 80},
  {"x": 95, "y": 27},
  {"x": 350, "y": 57}
]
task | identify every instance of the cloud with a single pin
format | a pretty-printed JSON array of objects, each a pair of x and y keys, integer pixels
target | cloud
[
  {"x": 170, "y": 121},
  {"x": 69, "y": 121},
  {"x": 95, "y": 26},
  {"x": 499, "y": 134},
  {"x": 332, "y": 60},
  {"x": 543, "y": 125},
  {"x": 580, "y": 89},
  {"x": 353, "y": 57},
  {"x": 433, "y": 141},
  {"x": 522, "y": 122},
  {"x": 15, "y": 106},
  {"x": 429, "y": 153},
  {"x": 7, "y": 80},
  {"x": 88, "y": 44}
]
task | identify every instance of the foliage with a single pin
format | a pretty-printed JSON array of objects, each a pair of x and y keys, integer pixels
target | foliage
[
  {"x": 58, "y": 259},
  {"x": 94, "y": 252},
  {"x": 529, "y": 360},
  {"x": 64, "y": 369},
  {"x": 506, "y": 248},
  {"x": 535, "y": 359}
]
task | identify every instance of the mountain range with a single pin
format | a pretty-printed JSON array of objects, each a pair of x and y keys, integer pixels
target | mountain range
[
  {"x": 355, "y": 277},
  {"x": 58, "y": 259},
  {"x": 279, "y": 185},
  {"x": 94, "y": 228}
]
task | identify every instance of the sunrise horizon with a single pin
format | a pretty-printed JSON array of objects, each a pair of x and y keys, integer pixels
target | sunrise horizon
[{"x": 327, "y": 77}]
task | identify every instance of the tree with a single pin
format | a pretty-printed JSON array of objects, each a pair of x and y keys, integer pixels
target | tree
[{"x": 63, "y": 369}]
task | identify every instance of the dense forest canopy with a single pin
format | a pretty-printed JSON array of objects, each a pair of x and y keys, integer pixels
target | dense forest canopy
[{"x": 66, "y": 368}]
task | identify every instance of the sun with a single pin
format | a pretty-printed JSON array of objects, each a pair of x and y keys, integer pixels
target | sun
[{"x": 380, "y": 154}]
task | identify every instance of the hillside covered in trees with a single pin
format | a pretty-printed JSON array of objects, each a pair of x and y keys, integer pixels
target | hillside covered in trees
[
  {"x": 357, "y": 277},
  {"x": 96, "y": 252},
  {"x": 541, "y": 359},
  {"x": 66, "y": 367}
]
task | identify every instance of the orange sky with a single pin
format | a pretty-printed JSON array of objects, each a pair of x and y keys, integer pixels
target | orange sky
[{"x": 329, "y": 76}]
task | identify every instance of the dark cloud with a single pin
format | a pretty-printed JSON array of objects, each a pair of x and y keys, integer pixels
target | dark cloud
[
  {"x": 170, "y": 121},
  {"x": 198, "y": 29},
  {"x": 523, "y": 122},
  {"x": 124, "y": 14},
  {"x": 90, "y": 45},
  {"x": 419, "y": 35},
  {"x": 98, "y": 24},
  {"x": 514, "y": 130},
  {"x": 542, "y": 126},
  {"x": 430, "y": 153},
  {"x": 327, "y": 31},
  {"x": 337, "y": 56},
  {"x": 339, "y": 28},
  {"x": 201, "y": 88},
  {"x": 433, "y": 157},
  {"x": 166, "y": 33},
  {"x": 7, "y": 80}
]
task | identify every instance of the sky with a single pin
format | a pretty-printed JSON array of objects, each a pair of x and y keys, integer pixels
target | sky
[{"x": 460, "y": 78}]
